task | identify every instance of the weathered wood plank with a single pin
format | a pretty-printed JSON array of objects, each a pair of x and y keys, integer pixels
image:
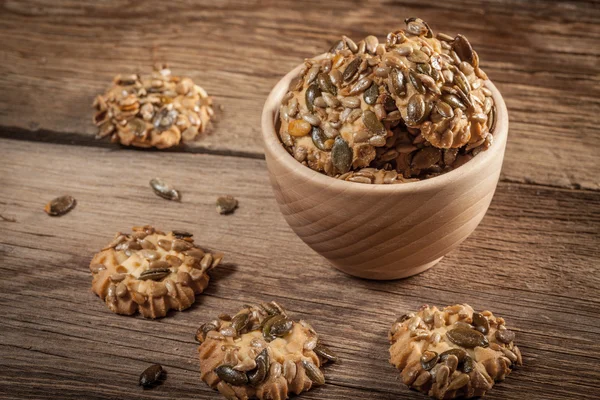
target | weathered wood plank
[
  {"x": 541, "y": 54},
  {"x": 533, "y": 260}
]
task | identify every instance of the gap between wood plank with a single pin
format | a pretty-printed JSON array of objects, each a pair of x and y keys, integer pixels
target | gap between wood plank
[{"x": 74, "y": 139}]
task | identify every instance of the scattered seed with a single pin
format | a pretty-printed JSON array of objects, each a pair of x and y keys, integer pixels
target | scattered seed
[
  {"x": 151, "y": 376},
  {"x": 59, "y": 206},
  {"x": 226, "y": 204},
  {"x": 164, "y": 190},
  {"x": 325, "y": 352},
  {"x": 7, "y": 219}
]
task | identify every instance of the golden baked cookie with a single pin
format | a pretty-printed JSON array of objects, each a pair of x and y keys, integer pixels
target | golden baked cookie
[
  {"x": 454, "y": 352},
  {"x": 151, "y": 272},
  {"x": 261, "y": 353},
  {"x": 159, "y": 110}
]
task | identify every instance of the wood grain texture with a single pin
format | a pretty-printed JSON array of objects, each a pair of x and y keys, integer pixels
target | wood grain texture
[
  {"x": 543, "y": 56},
  {"x": 532, "y": 260}
]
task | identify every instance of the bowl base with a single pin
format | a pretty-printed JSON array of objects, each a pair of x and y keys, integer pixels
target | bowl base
[{"x": 389, "y": 273}]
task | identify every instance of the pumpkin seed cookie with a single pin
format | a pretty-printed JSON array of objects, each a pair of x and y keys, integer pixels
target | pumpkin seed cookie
[
  {"x": 454, "y": 352},
  {"x": 407, "y": 109},
  {"x": 152, "y": 111},
  {"x": 261, "y": 353},
  {"x": 151, "y": 272}
]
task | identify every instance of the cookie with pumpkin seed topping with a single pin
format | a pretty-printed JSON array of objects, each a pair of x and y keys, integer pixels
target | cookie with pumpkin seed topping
[
  {"x": 453, "y": 352},
  {"x": 261, "y": 353},
  {"x": 151, "y": 272}
]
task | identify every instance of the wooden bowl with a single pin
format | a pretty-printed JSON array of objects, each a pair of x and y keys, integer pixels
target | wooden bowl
[{"x": 382, "y": 231}]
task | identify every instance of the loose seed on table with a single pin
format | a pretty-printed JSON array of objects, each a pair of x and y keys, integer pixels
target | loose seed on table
[{"x": 60, "y": 206}]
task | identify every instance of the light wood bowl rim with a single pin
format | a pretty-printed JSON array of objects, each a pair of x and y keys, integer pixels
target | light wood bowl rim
[{"x": 273, "y": 145}]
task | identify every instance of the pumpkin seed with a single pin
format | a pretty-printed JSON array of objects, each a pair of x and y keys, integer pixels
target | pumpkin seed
[
  {"x": 230, "y": 375},
  {"x": 466, "y": 337},
  {"x": 505, "y": 336},
  {"x": 154, "y": 274},
  {"x": 424, "y": 68},
  {"x": 313, "y": 373},
  {"x": 325, "y": 352},
  {"x": 325, "y": 84},
  {"x": 240, "y": 321},
  {"x": 180, "y": 245},
  {"x": 426, "y": 158},
  {"x": 261, "y": 371},
  {"x": 151, "y": 375},
  {"x": 371, "y": 94},
  {"x": 468, "y": 365},
  {"x": 226, "y": 204},
  {"x": 416, "y": 82},
  {"x": 398, "y": 82},
  {"x": 164, "y": 190},
  {"x": 321, "y": 141},
  {"x": 60, "y": 206},
  {"x": 268, "y": 323},
  {"x": 360, "y": 86},
  {"x": 463, "y": 48},
  {"x": 341, "y": 155},
  {"x": 351, "y": 69},
  {"x": 311, "y": 94},
  {"x": 418, "y": 56},
  {"x": 337, "y": 46},
  {"x": 429, "y": 359},
  {"x": 481, "y": 323},
  {"x": 415, "y": 109},
  {"x": 460, "y": 354},
  {"x": 281, "y": 327},
  {"x": 372, "y": 123}
]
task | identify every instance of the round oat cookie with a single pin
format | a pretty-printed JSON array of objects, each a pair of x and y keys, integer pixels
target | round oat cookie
[
  {"x": 151, "y": 272},
  {"x": 454, "y": 352},
  {"x": 261, "y": 353}
]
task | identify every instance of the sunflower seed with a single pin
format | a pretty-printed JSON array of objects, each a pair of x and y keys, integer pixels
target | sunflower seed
[
  {"x": 350, "y": 102},
  {"x": 350, "y": 43},
  {"x": 312, "y": 119},
  {"x": 164, "y": 244},
  {"x": 180, "y": 245},
  {"x": 164, "y": 190},
  {"x": 226, "y": 204},
  {"x": 150, "y": 255},
  {"x": 151, "y": 375},
  {"x": 60, "y": 206},
  {"x": 418, "y": 56},
  {"x": 416, "y": 82},
  {"x": 360, "y": 86},
  {"x": 154, "y": 274}
]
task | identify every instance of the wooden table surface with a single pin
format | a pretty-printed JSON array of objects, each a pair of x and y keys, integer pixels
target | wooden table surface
[{"x": 534, "y": 259}]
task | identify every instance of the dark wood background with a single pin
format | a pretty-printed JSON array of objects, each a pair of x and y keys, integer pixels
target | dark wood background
[{"x": 534, "y": 259}]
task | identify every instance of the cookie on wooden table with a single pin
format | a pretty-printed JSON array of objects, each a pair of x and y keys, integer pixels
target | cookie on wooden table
[
  {"x": 151, "y": 272},
  {"x": 454, "y": 352},
  {"x": 261, "y": 353}
]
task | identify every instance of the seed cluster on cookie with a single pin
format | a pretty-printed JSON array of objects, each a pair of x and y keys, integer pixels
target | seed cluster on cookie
[
  {"x": 411, "y": 108},
  {"x": 151, "y": 272},
  {"x": 159, "y": 110},
  {"x": 453, "y": 352},
  {"x": 261, "y": 353}
]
